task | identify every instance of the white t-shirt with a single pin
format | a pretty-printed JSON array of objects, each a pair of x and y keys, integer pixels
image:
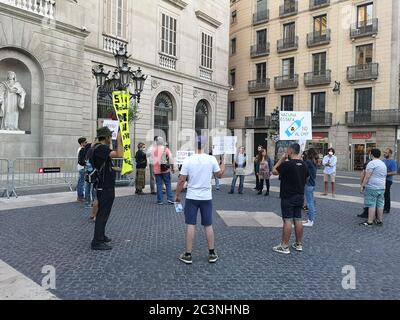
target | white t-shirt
[{"x": 199, "y": 168}]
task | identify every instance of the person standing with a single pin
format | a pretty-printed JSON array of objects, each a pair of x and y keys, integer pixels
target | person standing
[
  {"x": 264, "y": 170},
  {"x": 162, "y": 169},
  {"x": 311, "y": 157},
  {"x": 89, "y": 187},
  {"x": 80, "y": 187},
  {"x": 373, "y": 188},
  {"x": 391, "y": 166},
  {"x": 105, "y": 186},
  {"x": 293, "y": 174},
  {"x": 364, "y": 214},
  {"x": 198, "y": 171},
  {"x": 150, "y": 161},
  {"x": 239, "y": 165},
  {"x": 141, "y": 164},
  {"x": 256, "y": 162},
  {"x": 329, "y": 162}
]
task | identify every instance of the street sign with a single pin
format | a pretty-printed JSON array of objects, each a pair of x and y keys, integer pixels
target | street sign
[
  {"x": 295, "y": 125},
  {"x": 50, "y": 170}
]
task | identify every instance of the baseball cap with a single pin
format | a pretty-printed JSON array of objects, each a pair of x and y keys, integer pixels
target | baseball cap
[{"x": 104, "y": 132}]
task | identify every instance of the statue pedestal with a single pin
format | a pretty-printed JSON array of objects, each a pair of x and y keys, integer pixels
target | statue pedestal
[{"x": 13, "y": 132}]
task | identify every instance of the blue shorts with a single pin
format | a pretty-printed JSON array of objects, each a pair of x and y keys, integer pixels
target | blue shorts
[
  {"x": 374, "y": 198},
  {"x": 191, "y": 209}
]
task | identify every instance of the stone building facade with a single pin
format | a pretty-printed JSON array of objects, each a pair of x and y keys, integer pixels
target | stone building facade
[
  {"x": 52, "y": 45},
  {"x": 338, "y": 59}
]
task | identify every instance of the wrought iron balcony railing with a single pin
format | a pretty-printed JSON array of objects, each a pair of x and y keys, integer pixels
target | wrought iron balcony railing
[
  {"x": 259, "y": 85},
  {"x": 288, "y": 44},
  {"x": 364, "y": 29},
  {"x": 286, "y": 82},
  {"x": 369, "y": 71},
  {"x": 261, "y": 16},
  {"x": 386, "y": 117},
  {"x": 259, "y": 50},
  {"x": 258, "y": 122},
  {"x": 322, "y": 119},
  {"x": 317, "y": 39},
  {"x": 317, "y": 78}
]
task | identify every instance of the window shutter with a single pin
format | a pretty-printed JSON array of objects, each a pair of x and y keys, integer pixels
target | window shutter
[{"x": 125, "y": 15}]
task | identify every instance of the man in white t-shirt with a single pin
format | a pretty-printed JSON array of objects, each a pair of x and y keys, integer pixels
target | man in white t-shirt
[{"x": 198, "y": 171}]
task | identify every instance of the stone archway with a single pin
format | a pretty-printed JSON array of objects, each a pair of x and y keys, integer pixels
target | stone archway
[
  {"x": 164, "y": 114},
  {"x": 30, "y": 74}
]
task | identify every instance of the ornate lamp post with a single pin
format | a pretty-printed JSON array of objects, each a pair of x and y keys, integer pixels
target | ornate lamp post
[{"x": 121, "y": 78}]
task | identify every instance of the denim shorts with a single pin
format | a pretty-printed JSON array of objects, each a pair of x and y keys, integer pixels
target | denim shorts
[
  {"x": 291, "y": 207},
  {"x": 193, "y": 206},
  {"x": 374, "y": 198}
]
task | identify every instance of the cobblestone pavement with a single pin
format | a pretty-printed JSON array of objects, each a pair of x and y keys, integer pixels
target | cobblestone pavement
[{"x": 148, "y": 238}]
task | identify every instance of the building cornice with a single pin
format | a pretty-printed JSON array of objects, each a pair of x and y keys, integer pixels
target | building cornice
[
  {"x": 105, "y": 54},
  {"x": 178, "y": 3},
  {"x": 31, "y": 17},
  {"x": 206, "y": 18}
]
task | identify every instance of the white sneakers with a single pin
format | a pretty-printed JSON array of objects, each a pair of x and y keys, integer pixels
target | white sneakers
[{"x": 308, "y": 223}]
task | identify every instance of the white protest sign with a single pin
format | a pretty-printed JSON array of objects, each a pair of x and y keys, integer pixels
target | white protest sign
[
  {"x": 302, "y": 144},
  {"x": 113, "y": 125},
  {"x": 224, "y": 145},
  {"x": 295, "y": 125},
  {"x": 182, "y": 155}
]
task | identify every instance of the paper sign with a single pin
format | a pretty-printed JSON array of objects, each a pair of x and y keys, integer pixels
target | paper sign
[
  {"x": 224, "y": 145},
  {"x": 121, "y": 102},
  {"x": 182, "y": 155},
  {"x": 113, "y": 125},
  {"x": 295, "y": 125},
  {"x": 302, "y": 144}
]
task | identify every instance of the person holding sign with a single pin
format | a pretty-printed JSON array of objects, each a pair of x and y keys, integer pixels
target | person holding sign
[
  {"x": 105, "y": 184},
  {"x": 239, "y": 165}
]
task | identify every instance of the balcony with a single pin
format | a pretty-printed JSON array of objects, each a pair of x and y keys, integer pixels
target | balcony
[
  {"x": 289, "y": 44},
  {"x": 167, "y": 62},
  {"x": 257, "y": 122},
  {"x": 259, "y": 50},
  {"x": 112, "y": 44},
  {"x": 322, "y": 119},
  {"x": 388, "y": 117},
  {"x": 206, "y": 74},
  {"x": 288, "y": 10},
  {"x": 321, "y": 77},
  {"x": 259, "y": 85},
  {"x": 286, "y": 82},
  {"x": 45, "y": 8},
  {"x": 317, "y": 4},
  {"x": 260, "y": 17},
  {"x": 362, "y": 72},
  {"x": 366, "y": 29},
  {"x": 317, "y": 39}
]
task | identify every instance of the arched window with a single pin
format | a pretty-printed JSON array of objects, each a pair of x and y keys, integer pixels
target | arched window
[
  {"x": 163, "y": 108},
  {"x": 202, "y": 120}
]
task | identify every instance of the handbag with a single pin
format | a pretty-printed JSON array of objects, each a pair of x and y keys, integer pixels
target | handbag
[{"x": 164, "y": 165}]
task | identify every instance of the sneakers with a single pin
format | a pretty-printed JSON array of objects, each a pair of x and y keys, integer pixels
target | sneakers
[
  {"x": 212, "y": 258},
  {"x": 308, "y": 223},
  {"x": 378, "y": 223},
  {"x": 281, "y": 249},
  {"x": 297, "y": 246},
  {"x": 171, "y": 202},
  {"x": 230, "y": 192},
  {"x": 185, "y": 258}
]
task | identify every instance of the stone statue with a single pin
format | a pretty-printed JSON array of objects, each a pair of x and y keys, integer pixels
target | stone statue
[{"x": 12, "y": 98}]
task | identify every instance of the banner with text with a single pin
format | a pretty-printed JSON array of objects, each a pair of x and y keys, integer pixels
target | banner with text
[
  {"x": 113, "y": 125},
  {"x": 224, "y": 145},
  {"x": 182, "y": 155},
  {"x": 121, "y": 102},
  {"x": 295, "y": 125}
]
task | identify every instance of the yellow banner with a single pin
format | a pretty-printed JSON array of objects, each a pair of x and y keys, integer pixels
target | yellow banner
[{"x": 121, "y": 102}]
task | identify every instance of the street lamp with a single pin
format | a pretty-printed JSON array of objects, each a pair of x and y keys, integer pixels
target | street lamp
[
  {"x": 275, "y": 118},
  {"x": 121, "y": 78}
]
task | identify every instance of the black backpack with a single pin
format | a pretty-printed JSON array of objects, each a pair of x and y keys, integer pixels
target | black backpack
[{"x": 93, "y": 176}]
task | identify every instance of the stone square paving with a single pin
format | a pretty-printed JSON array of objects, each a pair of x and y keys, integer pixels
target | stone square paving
[{"x": 147, "y": 240}]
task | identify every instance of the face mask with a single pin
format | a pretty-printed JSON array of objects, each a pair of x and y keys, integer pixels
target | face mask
[{"x": 331, "y": 153}]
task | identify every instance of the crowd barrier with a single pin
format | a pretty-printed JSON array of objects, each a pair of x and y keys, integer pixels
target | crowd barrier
[{"x": 40, "y": 173}]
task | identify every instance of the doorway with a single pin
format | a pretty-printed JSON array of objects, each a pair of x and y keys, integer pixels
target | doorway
[
  {"x": 360, "y": 152},
  {"x": 260, "y": 139}
]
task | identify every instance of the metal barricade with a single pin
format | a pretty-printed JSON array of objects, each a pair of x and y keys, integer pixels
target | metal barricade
[
  {"x": 127, "y": 179},
  {"x": 5, "y": 178},
  {"x": 28, "y": 173}
]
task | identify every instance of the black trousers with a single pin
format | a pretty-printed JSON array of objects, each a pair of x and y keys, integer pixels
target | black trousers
[
  {"x": 106, "y": 199},
  {"x": 261, "y": 185},
  {"x": 387, "y": 195}
]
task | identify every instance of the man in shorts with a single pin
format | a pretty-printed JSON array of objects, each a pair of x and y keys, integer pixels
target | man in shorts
[
  {"x": 293, "y": 173},
  {"x": 198, "y": 171},
  {"x": 329, "y": 162}
]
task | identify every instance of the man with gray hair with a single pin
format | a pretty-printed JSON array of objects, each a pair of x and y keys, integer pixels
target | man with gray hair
[{"x": 198, "y": 171}]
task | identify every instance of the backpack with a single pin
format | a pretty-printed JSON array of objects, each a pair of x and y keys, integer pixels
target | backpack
[
  {"x": 92, "y": 175},
  {"x": 164, "y": 166}
]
